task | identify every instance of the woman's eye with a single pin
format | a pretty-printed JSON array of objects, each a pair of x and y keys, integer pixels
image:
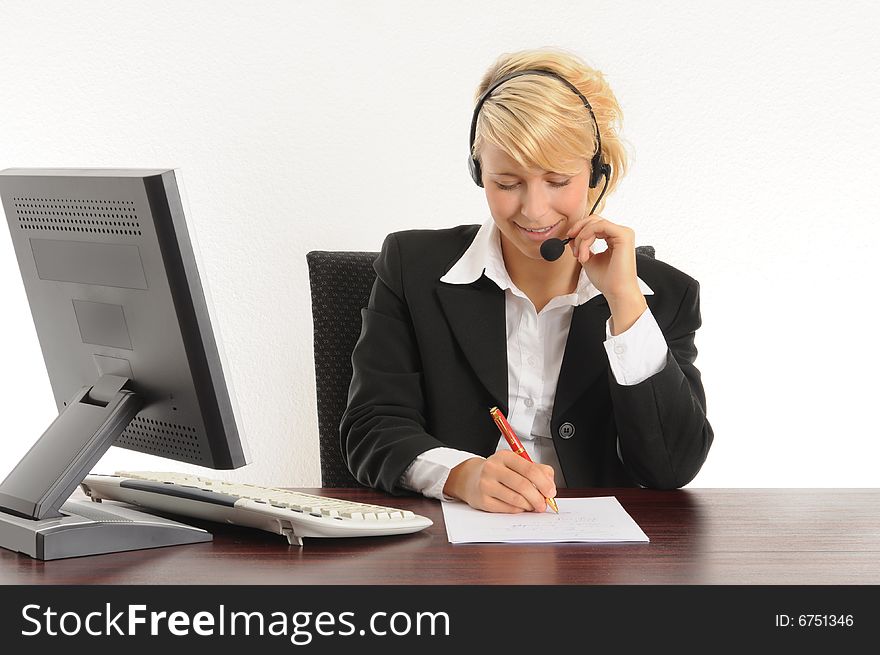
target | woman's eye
[{"x": 511, "y": 187}]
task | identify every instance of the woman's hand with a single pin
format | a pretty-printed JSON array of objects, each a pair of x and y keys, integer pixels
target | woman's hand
[
  {"x": 503, "y": 482},
  {"x": 613, "y": 271}
]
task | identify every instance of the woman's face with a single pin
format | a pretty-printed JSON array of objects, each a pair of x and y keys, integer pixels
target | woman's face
[{"x": 531, "y": 206}]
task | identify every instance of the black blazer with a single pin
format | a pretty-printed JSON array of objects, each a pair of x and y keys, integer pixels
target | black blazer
[{"x": 432, "y": 359}]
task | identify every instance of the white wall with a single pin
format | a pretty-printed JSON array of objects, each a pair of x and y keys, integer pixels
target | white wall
[{"x": 305, "y": 125}]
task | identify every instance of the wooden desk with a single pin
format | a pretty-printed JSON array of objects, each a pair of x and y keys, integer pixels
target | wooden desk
[{"x": 699, "y": 536}]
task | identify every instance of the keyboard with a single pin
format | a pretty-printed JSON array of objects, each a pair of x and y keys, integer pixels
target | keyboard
[{"x": 290, "y": 513}]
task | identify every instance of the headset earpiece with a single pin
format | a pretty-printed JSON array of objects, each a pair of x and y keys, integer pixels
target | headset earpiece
[
  {"x": 598, "y": 171},
  {"x": 475, "y": 170}
]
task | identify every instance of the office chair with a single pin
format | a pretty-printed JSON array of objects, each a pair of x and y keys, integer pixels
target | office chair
[
  {"x": 340, "y": 284},
  {"x": 647, "y": 251}
]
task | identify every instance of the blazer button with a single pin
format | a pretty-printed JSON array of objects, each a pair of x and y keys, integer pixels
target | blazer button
[{"x": 566, "y": 430}]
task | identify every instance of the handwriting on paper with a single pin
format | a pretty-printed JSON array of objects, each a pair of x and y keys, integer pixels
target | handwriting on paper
[{"x": 580, "y": 519}]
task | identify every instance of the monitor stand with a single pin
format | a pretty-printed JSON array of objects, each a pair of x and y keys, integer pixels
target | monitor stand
[{"x": 36, "y": 517}]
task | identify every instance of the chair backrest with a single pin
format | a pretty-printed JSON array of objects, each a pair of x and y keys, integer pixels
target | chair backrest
[{"x": 341, "y": 283}]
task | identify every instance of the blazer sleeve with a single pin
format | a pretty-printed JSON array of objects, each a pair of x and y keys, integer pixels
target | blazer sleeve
[
  {"x": 663, "y": 433},
  {"x": 383, "y": 428}
]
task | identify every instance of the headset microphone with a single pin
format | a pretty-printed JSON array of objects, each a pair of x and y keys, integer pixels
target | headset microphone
[{"x": 552, "y": 249}]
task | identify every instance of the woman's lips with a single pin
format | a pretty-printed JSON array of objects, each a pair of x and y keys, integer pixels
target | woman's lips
[{"x": 549, "y": 232}]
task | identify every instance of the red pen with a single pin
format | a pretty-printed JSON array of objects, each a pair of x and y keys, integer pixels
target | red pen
[{"x": 515, "y": 444}]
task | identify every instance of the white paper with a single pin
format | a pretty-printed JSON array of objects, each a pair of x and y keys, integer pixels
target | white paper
[{"x": 580, "y": 519}]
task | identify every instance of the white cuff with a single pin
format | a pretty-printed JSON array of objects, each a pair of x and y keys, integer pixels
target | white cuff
[
  {"x": 638, "y": 353},
  {"x": 429, "y": 471}
]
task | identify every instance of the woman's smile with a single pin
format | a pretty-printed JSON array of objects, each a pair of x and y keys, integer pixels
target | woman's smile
[{"x": 539, "y": 233}]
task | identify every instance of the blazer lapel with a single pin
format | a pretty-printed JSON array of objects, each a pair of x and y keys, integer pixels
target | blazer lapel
[
  {"x": 476, "y": 315},
  {"x": 585, "y": 358}
]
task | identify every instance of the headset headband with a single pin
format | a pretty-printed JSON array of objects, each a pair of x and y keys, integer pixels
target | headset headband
[{"x": 597, "y": 168}]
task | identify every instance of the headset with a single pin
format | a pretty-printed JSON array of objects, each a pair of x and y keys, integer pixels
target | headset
[{"x": 598, "y": 168}]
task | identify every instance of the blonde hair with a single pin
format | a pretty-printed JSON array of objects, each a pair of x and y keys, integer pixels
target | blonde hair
[{"x": 542, "y": 124}]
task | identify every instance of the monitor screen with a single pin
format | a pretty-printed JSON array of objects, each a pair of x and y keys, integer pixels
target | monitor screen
[{"x": 114, "y": 289}]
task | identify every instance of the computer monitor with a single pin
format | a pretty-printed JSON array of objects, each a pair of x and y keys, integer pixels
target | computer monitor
[{"x": 122, "y": 319}]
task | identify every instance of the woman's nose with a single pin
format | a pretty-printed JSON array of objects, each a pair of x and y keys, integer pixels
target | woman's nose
[{"x": 535, "y": 203}]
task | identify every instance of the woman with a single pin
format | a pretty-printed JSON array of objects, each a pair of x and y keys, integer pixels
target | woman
[{"x": 590, "y": 356}]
